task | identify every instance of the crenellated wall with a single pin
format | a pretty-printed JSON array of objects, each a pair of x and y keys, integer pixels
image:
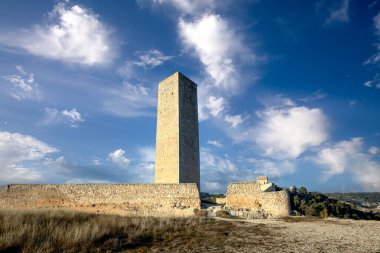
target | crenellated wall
[
  {"x": 247, "y": 199},
  {"x": 125, "y": 199}
]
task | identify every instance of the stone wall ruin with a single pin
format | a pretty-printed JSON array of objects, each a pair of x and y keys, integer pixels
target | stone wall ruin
[
  {"x": 159, "y": 200},
  {"x": 248, "y": 200}
]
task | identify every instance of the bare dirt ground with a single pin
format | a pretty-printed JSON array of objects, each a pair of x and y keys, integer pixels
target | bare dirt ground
[{"x": 280, "y": 235}]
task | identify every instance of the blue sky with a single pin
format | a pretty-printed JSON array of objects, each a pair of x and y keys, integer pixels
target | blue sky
[{"x": 288, "y": 89}]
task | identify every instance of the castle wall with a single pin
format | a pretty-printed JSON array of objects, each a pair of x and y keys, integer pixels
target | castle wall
[
  {"x": 248, "y": 197},
  {"x": 158, "y": 200}
]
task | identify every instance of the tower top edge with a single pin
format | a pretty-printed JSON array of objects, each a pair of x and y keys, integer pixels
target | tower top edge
[{"x": 178, "y": 75}]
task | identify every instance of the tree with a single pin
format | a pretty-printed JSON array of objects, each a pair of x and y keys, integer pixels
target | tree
[{"x": 302, "y": 190}]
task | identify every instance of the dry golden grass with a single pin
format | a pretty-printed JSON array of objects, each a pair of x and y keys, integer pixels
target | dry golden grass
[{"x": 64, "y": 231}]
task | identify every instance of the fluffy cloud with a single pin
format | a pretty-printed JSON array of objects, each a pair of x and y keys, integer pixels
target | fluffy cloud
[
  {"x": 147, "y": 153},
  {"x": 130, "y": 100},
  {"x": 216, "y": 105},
  {"x": 210, "y": 160},
  {"x": 215, "y": 143},
  {"x": 339, "y": 14},
  {"x": 217, "y": 46},
  {"x": 53, "y": 116},
  {"x": 233, "y": 120},
  {"x": 141, "y": 172},
  {"x": 118, "y": 157},
  {"x": 23, "y": 85},
  {"x": 273, "y": 169},
  {"x": 217, "y": 171},
  {"x": 15, "y": 151},
  {"x": 74, "y": 34},
  {"x": 348, "y": 156},
  {"x": 335, "y": 158},
  {"x": 285, "y": 133},
  {"x": 373, "y": 150},
  {"x": 59, "y": 170},
  {"x": 151, "y": 59}
]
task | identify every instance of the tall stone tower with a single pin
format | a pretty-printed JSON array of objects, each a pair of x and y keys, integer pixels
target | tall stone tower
[{"x": 177, "y": 138}]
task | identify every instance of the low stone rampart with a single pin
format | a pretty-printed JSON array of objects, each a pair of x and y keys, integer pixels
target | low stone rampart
[
  {"x": 220, "y": 201},
  {"x": 157, "y": 200},
  {"x": 248, "y": 200}
]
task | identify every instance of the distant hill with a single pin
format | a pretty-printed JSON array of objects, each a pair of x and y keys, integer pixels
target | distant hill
[
  {"x": 324, "y": 205},
  {"x": 363, "y": 199}
]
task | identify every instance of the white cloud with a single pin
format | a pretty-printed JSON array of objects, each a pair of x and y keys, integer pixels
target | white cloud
[
  {"x": 348, "y": 156},
  {"x": 374, "y": 150},
  {"x": 317, "y": 95},
  {"x": 216, "y": 105},
  {"x": 217, "y": 171},
  {"x": 204, "y": 92},
  {"x": 96, "y": 162},
  {"x": 184, "y": 6},
  {"x": 375, "y": 59},
  {"x": 86, "y": 181},
  {"x": 147, "y": 153},
  {"x": 118, "y": 157},
  {"x": 24, "y": 86},
  {"x": 214, "y": 162},
  {"x": 234, "y": 121},
  {"x": 212, "y": 187},
  {"x": 74, "y": 34},
  {"x": 273, "y": 169},
  {"x": 130, "y": 100},
  {"x": 215, "y": 143},
  {"x": 216, "y": 45},
  {"x": 375, "y": 83},
  {"x": 151, "y": 59},
  {"x": 53, "y": 116},
  {"x": 19, "y": 174},
  {"x": 16, "y": 150},
  {"x": 285, "y": 132},
  {"x": 339, "y": 14},
  {"x": 144, "y": 172},
  {"x": 336, "y": 157}
]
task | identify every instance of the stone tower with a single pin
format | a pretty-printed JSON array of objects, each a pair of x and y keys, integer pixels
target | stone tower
[{"x": 177, "y": 141}]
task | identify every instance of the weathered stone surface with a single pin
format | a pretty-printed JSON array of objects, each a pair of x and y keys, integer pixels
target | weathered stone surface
[
  {"x": 249, "y": 201},
  {"x": 177, "y": 138},
  {"x": 158, "y": 200}
]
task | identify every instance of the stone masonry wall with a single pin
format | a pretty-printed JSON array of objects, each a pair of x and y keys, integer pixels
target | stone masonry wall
[
  {"x": 249, "y": 199},
  {"x": 188, "y": 133},
  {"x": 167, "y": 133},
  {"x": 159, "y": 200},
  {"x": 177, "y": 137}
]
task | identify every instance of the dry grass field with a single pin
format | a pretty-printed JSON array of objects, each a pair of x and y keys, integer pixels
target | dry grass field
[{"x": 63, "y": 231}]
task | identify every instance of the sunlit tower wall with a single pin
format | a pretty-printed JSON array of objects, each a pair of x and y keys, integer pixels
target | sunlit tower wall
[{"x": 177, "y": 136}]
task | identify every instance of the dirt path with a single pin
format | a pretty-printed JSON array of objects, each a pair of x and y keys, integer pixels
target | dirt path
[
  {"x": 313, "y": 235},
  {"x": 280, "y": 235}
]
